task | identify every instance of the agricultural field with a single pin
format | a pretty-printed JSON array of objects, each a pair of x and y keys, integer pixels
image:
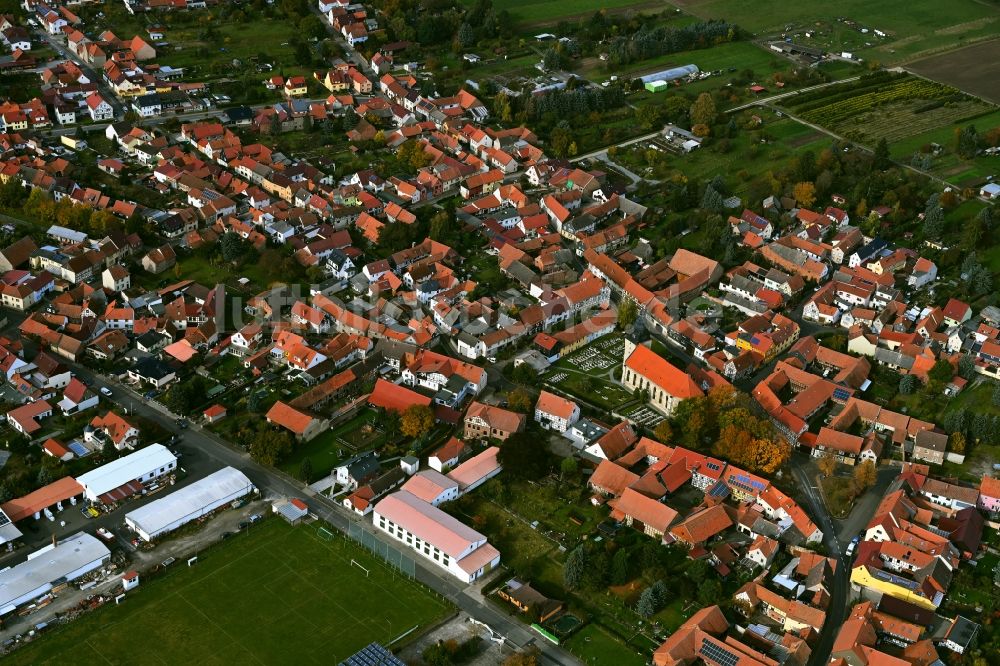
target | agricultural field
[
  {"x": 885, "y": 106},
  {"x": 278, "y": 594},
  {"x": 913, "y": 28},
  {"x": 974, "y": 69},
  {"x": 529, "y": 13}
]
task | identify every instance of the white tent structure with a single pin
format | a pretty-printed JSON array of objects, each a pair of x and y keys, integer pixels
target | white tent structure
[
  {"x": 124, "y": 477},
  {"x": 189, "y": 503}
]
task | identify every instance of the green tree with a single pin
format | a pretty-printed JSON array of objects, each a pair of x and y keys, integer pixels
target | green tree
[
  {"x": 649, "y": 603},
  {"x": 966, "y": 367},
  {"x": 525, "y": 456},
  {"x": 968, "y": 142},
  {"x": 270, "y": 446},
  {"x": 568, "y": 468},
  {"x": 703, "y": 110},
  {"x": 44, "y": 476},
  {"x": 306, "y": 470},
  {"x": 627, "y": 314},
  {"x": 908, "y": 384},
  {"x": 416, "y": 420},
  {"x": 621, "y": 567},
  {"x": 439, "y": 226},
  {"x": 942, "y": 371},
  {"x": 882, "y": 160},
  {"x": 232, "y": 247},
  {"x": 575, "y": 569},
  {"x": 713, "y": 200}
]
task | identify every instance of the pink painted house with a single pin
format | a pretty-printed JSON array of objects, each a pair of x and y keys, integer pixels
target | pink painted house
[{"x": 989, "y": 494}]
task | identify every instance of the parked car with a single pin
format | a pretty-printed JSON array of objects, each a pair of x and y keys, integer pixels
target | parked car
[
  {"x": 105, "y": 391},
  {"x": 105, "y": 534}
]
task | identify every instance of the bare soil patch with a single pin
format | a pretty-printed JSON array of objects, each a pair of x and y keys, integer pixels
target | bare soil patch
[{"x": 974, "y": 69}]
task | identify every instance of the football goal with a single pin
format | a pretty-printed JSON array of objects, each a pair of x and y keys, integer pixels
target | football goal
[
  {"x": 355, "y": 563},
  {"x": 325, "y": 534}
]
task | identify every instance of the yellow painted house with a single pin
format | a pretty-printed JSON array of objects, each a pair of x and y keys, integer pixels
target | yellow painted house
[{"x": 899, "y": 587}]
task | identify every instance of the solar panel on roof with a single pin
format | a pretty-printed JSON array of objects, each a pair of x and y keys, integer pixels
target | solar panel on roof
[
  {"x": 718, "y": 654},
  {"x": 719, "y": 490},
  {"x": 840, "y": 394}
]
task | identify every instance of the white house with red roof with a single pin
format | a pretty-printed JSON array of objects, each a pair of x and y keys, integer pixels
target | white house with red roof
[
  {"x": 554, "y": 412},
  {"x": 99, "y": 108},
  {"x": 77, "y": 397},
  {"x": 114, "y": 428},
  {"x": 432, "y": 487},
  {"x": 26, "y": 418}
]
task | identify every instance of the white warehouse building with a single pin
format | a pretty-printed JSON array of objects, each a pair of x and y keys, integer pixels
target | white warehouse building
[
  {"x": 189, "y": 503},
  {"x": 447, "y": 542},
  {"x": 125, "y": 477},
  {"x": 50, "y": 566}
]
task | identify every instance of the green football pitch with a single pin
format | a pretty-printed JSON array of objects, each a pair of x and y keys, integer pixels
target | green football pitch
[{"x": 277, "y": 595}]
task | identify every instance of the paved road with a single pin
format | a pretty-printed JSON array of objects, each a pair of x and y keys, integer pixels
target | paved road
[
  {"x": 94, "y": 76},
  {"x": 837, "y": 536},
  {"x": 837, "y": 610}
]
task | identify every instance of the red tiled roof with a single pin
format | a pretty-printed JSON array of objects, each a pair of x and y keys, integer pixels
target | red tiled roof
[
  {"x": 288, "y": 417},
  {"x": 659, "y": 371},
  {"x": 394, "y": 397}
]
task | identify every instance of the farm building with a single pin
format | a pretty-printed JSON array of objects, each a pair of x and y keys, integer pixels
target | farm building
[
  {"x": 189, "y": 503},
  {"x": 668, "y": 75},
  {"x": 126, "y": 476},
  {"x": 50, "y": 566}
]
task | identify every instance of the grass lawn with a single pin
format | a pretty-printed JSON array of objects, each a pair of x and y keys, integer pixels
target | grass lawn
[
  {"x": 740, "y": 158},
  {"x": 594, "y": 645},
  {"x": 323, "y": 451},
  {"x": 742, "y": 55},
  {"x": 524, "y": 549},
  {"x": 556, "y": 506},
  {"x": 948, "y": 164},
  {"x": 277, "y": 595},
  {"x": 976, "y": 400}
]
